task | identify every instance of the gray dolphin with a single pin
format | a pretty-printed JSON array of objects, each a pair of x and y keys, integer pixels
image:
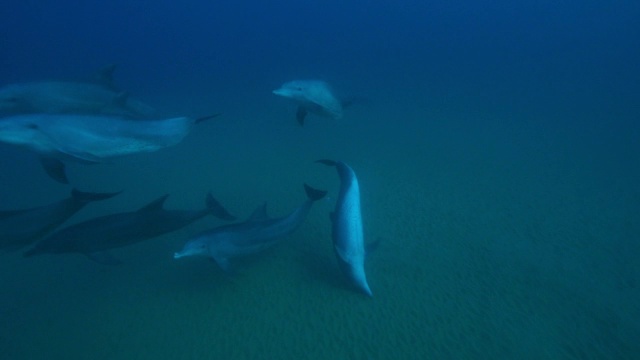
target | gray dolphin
[
  {"x": 256, "y": 234},
  {"x": 19, "y": 228},
  {"x": 347, "y": 233},
  {"x": 96, "y": 236},
  {"x": 90, "y": 138},
  {"x": 313, "y": 96},
  {"x": 99, "y": 97}
]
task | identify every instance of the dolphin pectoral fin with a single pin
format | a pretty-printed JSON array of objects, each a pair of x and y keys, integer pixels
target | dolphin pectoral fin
[
  {"x": 55, "y": 169},
  {"x": 300, "y": 115},
  {"x": 104, "y": 258},
  {"x": 343, "y": 257},
  {"x": 371, "y": 247},
  {"x": 224, "y": 264}
]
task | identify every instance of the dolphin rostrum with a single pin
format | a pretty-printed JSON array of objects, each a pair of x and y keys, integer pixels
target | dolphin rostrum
[
  {"x": 90, "y": 138},
  {"x": 313, "y": 96},
  {"x": 19, "y": 228},
  {"x": 96, "y": 236},
  {"x": 347, "y": 233},
  {"x": 256, "y": 234}
]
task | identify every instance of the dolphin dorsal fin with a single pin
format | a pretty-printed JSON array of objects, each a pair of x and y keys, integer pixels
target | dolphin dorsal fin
[
  {"x": 156, "y": 204},
  {"x": 259, "y": 214},
  {"x": 104, "y": 77}
]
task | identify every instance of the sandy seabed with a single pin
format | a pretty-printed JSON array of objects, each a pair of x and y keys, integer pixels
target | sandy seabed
[{"x": 488, "y": 250}]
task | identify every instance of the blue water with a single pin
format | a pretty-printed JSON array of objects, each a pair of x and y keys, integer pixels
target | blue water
[{"x": 496, "y": 144}]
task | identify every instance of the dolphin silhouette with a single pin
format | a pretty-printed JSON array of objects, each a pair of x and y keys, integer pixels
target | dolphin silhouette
[
  {"x": 90, "y": 138},
  {"x": 96, "y": 236},
  {"x": 255, "y": 235},
  {"x": 59, "y": 97},
  {"x": 347, "y": 233},
  {"x": 19, "y": 228}
]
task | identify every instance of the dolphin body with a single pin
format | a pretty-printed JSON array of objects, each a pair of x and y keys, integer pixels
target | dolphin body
[
  {"x": 256, "y": 234},
  {"x": 313, "y": 96},
  {"x": 347, "y": 233},
  {"x": 60, "y": 97},
  {"x": 90, "y": 138},
  {"x": 19, "y": 228},
  {"x": 96, "y": 236}
]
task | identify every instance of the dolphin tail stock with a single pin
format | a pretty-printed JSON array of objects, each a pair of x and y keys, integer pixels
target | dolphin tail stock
[
  {"x": 203, "y": 118},
  {"x": 87, "y": 197},
  {"x": 217, "y": 210},
  {"x": 314, "y": 194},
  {"x": 55, "y": 169}
]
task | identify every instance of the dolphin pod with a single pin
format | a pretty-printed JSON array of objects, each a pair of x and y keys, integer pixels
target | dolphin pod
[
  {"x": 94, "y": 122},
  {"x": 95, "y": 237}
]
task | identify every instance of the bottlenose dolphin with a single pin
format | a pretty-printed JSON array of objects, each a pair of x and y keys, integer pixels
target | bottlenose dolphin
[
  {"x": 313, "y": 96},
  {"x": 19, "y": 228},
  {"x": 59, "y": 97},
  {"x": 347, "y": 233},
  {"x": 96, "y": 236},
  {"x": 98, "y": 97},
  {"x": 256, "y": 234},
  {"x": 90, "y": 138}
]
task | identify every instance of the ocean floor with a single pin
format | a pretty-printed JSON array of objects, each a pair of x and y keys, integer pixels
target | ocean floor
[{"x": 499, "y": 239}]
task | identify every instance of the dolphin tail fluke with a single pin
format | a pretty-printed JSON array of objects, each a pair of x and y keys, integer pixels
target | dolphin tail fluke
[
  {"x": 314, "y": 194},
  {"x": 300, "y": 115},
  {"x": 87, "y": 197},
  {"x": 55, "y": 169},
  {"x": 217, "y": 209}
]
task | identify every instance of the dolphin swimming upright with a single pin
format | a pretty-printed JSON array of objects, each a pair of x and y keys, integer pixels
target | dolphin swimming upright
[
  {"x": 19, "y": 228},
  {"x": 90, "y": 138},
  {"x": 347, "y": 233},
  {"x": 256, "y": 234},
  {"x": 96, "y": 236},
  {"x": 313, "y": 96}
]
